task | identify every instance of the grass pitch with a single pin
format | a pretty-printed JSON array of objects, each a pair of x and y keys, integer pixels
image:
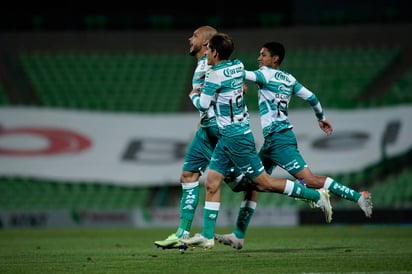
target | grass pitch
[{"x": 302, "y": 249}]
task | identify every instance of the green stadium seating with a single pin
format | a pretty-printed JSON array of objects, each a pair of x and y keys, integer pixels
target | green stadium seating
[
  {"x": 395, "y": 192},
  {"x": 119, "y": 82},
  {"x": 17, "y": 193},
  {"x": 401, "y": 91},
  {"x": 129, "y": 82},
  {"x": 4, "y": 99}
]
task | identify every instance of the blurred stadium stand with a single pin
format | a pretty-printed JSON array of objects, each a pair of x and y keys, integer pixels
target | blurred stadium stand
[{"x": 106, "y": 62}]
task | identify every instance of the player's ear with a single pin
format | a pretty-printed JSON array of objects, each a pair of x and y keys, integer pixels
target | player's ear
[
  {"x": 275, "y": 59},
  {"x": 216, "y": 55}
]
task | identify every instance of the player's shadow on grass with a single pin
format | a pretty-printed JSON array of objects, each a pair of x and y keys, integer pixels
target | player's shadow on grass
[{"x": 298, "y": 250}]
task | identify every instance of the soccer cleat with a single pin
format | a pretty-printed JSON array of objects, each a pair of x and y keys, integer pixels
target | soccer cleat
[
  {"x": 365, "y": 203},
  {"x": 230, "y": 239},
  {"x": 199, "y": 240},
  {"x": 171, "y": 242},
  {"x": 310, "y": 203},
  {"x": 324, "y": 204}
]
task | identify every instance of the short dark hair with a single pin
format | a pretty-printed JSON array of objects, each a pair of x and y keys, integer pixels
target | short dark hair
[
  {"x": 276, "y": 48},
  {"x": 223, "y": 44}
]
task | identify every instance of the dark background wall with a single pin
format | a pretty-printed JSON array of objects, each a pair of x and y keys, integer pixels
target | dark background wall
[{"x": 183, "y": 15}]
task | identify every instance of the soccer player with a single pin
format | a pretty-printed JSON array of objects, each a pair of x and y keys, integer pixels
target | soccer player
[
  {"x": 223, "y": 89},
  {"x": 199, "y": 152},
  {"x": 276, "y": 88},
  {"x": 200, "y": 149}
]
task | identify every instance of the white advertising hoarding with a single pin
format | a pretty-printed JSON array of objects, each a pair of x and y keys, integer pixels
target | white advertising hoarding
[{"x": 142, "y": 149}]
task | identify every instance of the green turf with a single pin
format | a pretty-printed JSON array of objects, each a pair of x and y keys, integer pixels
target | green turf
[{"x": 304, "y": 249}]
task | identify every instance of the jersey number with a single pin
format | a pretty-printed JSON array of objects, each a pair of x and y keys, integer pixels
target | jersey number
[
  {"x": 238, "y": 104},
  {"x": 282, "y": 107}
]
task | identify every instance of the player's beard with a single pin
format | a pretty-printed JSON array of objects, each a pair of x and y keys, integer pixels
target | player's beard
[{"x": 194, "y": 50}]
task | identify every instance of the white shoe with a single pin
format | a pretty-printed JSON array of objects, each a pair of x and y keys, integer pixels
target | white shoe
[
  {"x": 365, "y": 203},
  {"x": 230, "y": 239},
  {"x": 324, "y": 204},
  {"x": 199, "y": 240}
]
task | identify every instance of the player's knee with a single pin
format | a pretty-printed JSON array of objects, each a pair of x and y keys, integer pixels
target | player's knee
[{"x": 189, "y": 177}]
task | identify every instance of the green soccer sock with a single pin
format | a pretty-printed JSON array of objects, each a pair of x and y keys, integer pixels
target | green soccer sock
[
  {"x": 341, "y": 190},
  {"x": 210, "y": 214},
  {"x": 298, "y": 191},
  {"x": 188, "y": 205},
  {"x": 247, "y": 208}
]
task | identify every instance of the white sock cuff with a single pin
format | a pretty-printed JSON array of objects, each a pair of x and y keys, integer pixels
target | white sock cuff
[
  {"x": 248, "y": 203},
  {"x": 212, "y": 205},
  {"x": 189, "y": 185},
  {"x": 328, "y": 182},
  {"x": 289, "y": 187}
]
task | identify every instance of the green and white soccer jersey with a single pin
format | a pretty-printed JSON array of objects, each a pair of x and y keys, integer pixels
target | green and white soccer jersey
[
  {"x": 276, "y": 88},
  {"x": 224, "y": 87},
  {"x": 207, "y": 117},
  {"x": 224, "y": 90}
]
